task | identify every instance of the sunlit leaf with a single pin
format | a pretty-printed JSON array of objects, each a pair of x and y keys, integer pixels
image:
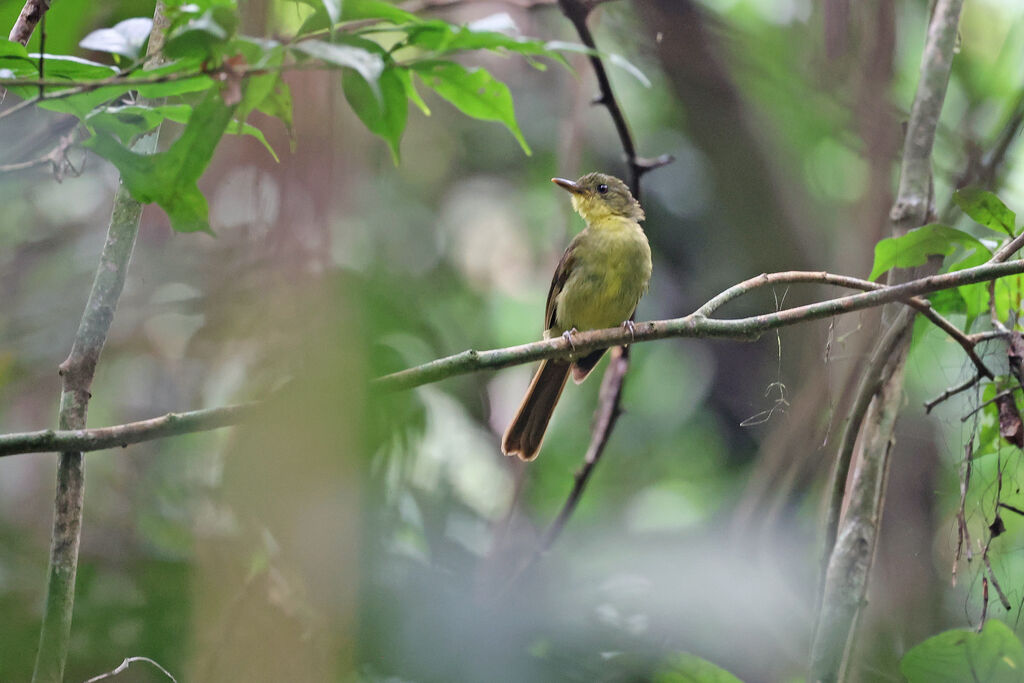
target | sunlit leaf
[
  {"x": 169, "y": 178},
  {"x": 375, "y": 9},
  {"x": 995, "y": 656},
  {"x": 367, "y": 63},
  {"x": 125, "y": 38},
  {"x": 175, "y": 85},
  {"x": 914, "y": 248},
  {"x": 987, "y": 209},
  {"x": 411, "y": 92},
  {"x": 474, "y": 91}
]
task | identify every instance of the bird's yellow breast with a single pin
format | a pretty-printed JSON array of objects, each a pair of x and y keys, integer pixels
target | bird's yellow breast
[{"x": 610, "y": 272}]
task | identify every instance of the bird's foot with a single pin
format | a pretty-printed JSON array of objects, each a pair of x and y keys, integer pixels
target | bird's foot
[
  {"x": 629, "y": 325},
  {"x": 567, "y": 336}
]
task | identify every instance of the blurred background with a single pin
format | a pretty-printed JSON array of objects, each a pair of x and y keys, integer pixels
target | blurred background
[{"x": 348, "y": 535}]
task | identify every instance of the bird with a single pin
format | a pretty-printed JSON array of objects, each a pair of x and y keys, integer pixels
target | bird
[{"x": 597, "y": 284}]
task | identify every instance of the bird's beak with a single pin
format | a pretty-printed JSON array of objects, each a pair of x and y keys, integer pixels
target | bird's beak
[{"x": 569, "y": 185}]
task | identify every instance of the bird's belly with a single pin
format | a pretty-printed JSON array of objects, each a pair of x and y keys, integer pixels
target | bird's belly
[{"x": 604, "y": 293}]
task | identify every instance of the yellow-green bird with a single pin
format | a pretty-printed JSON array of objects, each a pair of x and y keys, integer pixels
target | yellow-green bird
[{"x": 597, "y": 284}]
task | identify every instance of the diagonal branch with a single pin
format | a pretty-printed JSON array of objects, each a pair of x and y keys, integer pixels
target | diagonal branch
[
  {"x": 121, "y": 436},
  {"x": 691, "y": 326}
]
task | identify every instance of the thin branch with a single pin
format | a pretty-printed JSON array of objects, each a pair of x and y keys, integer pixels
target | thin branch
[
  {"x": 691, "y": 326},
  {"x": 77, "y": 372},
  {"x": 56, "y": 158},
  {"x": 1009, "y": 249},
  {"x": 963, "y": 536},
  {"x": 951, "y": 392},
  {"x": 922, "y": 305},
  {"x": 577, "y": 12},
  {"x": 121, "y": 436},
  {"x": 1000, "y": 395}
]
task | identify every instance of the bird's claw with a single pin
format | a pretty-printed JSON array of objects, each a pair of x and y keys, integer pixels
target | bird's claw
[
  {"x": 629, "y": 325},
  {"x": 567, "y": 336}
]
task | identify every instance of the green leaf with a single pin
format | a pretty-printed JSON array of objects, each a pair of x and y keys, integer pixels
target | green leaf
[
  {"x": 125, "y": 38},
  {"x": 23, "y": 65},
  {"x": 986, "y": 208},
  {"x": 203, "y": 37},
  {"x": 9, "y": 48},
  {"x": 238, "y": 128},
  {"x": 333, "y": 9},
  {"x": 995, "y": 656},
  {"x": 375, "y": 9},
  {"x": 278, "y": 104},
  {"x": 687, "y": 668},
  {"x": 914, "y": 248},
  {"x": 261, "y": 86},
  {"x": 384, "y": 115},
  {"x": 497, "y": 33},
  {"x": 474, "y": 92},
  {"x": 410, "y": 91},
  {"x": 128, "y": 122},
  {"x": 175, "y": 86},
  {"x": 169, "y": 178},
  {"x": 71, "y": 68},
  {"x": 367, "y": 63}
]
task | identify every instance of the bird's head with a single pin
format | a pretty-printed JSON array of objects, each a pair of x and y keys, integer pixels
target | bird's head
[{"x": 596, "y": 196}]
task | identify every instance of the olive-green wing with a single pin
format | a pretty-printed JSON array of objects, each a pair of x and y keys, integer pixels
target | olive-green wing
[{"x": 562, "y": 272}]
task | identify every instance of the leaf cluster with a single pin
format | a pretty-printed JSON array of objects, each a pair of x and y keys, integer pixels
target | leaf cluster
[{"x": 214, "y": 78}]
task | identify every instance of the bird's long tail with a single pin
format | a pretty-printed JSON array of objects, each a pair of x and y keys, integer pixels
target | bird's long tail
[{"x": 524, "y": 436}]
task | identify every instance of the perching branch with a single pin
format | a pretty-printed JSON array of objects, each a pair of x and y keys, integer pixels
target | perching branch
[
  {"x": 693, "y": 325},
  {"x": 121, "y": 436},
  {"x": 77, "y": 372}
]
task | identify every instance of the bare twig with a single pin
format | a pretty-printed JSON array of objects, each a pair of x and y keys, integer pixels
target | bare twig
[
  {"x": 963, "y": 536},
  {"x": 577, "y": 12},
  {"x": 921, "y": 305},
  {"x": 691, "y": 326},
  {"x": 56, "y": 158},
  {"x": 121, "y": 436},
  {"x": 951, "y": 392},
  {"x": 997, "y": 397}
]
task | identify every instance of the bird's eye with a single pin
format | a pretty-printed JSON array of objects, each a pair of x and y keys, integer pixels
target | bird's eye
[{"x": 602, "y": 188}]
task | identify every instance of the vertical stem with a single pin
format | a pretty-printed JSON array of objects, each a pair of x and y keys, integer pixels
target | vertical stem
[
  {"x": 77, "y": 372},
  {"x": 856, "y": 534}
]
